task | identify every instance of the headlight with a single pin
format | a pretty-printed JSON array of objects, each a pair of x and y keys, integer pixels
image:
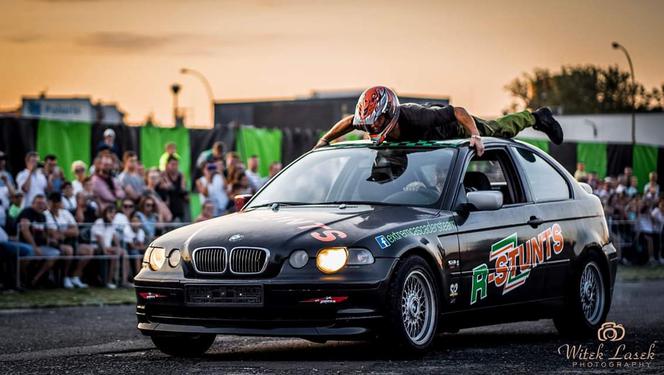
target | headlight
[
  {"x": 157, "y": 258},
  {"x": 146, "y": 257},
  {"x": 332, "y": 259},
  {"x": 359, "y": 257},
  {"x": 298, "y": 259},
  {"x": 174, "y": 258}
]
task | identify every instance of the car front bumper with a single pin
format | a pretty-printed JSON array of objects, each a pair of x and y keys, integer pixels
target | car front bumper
[{"x": 346, "y": 305}]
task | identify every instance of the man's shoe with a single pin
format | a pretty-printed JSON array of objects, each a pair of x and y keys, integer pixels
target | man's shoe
[
  {"x": 68, "y": 284},
  {"x": 548, "y": 125},
  {"x": 78, "y": 283}
]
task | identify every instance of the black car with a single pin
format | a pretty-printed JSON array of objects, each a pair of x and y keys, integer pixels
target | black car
[{"x": 398, "y": 241}]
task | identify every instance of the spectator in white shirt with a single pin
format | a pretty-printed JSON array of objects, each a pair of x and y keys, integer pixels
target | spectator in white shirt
[
  {"x": 31, "y": 181},
  {"x": 68, "y": 197},
  {"x": 78, "y": 168},
  {"x": 255, "y": 180},
  {"x": 104, "y": 232},
  {"x": 134, "y": 238},
  {"x": 121, "y": 219},
  {"x": 63, "y": 228},
  {"x": 651, "y": 189},
  {"x": 211, "y": 187}
]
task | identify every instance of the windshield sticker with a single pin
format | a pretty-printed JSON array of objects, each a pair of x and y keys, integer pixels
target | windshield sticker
[
  {"x": 508, "y": 258},
  {"x": 437, "y": 227}
]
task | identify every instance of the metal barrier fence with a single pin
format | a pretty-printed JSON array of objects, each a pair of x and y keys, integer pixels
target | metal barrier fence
[
  {"x": 119, "y": 231},
  {"x": 624, "y": 234}
]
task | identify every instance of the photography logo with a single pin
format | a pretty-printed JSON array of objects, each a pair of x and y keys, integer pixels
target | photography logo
[
  {"x": 610, "y": 352},
  {"x": 610, "y": 331}
]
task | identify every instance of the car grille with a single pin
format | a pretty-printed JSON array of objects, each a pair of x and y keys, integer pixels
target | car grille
[
  {"x": 210, "y": 260},
  {"x": 248, "y": 260}
]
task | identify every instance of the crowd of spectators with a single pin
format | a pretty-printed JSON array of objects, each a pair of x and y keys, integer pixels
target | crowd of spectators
[
  {"x": 111, "y": 209},
  {"x": 635, "y": 216}
]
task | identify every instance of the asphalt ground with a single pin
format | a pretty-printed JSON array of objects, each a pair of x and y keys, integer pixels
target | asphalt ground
[{"x": 104, "y": 340}]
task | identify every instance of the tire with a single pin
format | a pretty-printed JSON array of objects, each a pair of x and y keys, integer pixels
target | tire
[
  {"x": 587, "y": 301},
  {"x": 183, "y": 345},
  {"x": 412, "y": 307}
]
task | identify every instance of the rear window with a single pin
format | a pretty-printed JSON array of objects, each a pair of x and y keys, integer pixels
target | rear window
[{"x": 546, "y": 184}]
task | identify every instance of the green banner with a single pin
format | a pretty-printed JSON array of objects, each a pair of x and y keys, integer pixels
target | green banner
[
  {"x": 264, "y": 143},
  {"x": 593, "y": 155},
  {"x": 194, "y": 205},
  {"x": 644, "y": 161},
  {"x": 539, "y": 143},
  {"x": 153, "y": 142},
  {"x": 69, "y": 141}
]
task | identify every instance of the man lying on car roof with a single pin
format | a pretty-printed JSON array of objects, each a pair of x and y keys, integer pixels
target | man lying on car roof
[{"x": 379, "y": 113}]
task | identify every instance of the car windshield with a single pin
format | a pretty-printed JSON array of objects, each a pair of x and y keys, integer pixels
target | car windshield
[{"x": 392, "y": 176}]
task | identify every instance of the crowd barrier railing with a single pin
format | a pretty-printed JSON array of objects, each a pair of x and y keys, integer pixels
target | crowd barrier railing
[{"x": 162, "y": 228}]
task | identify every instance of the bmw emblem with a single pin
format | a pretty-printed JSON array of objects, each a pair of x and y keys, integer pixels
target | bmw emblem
[{"x": 235, "y": 237}]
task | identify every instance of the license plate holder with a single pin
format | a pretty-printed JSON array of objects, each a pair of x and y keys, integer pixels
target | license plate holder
[{"x": 224, "y": 295}]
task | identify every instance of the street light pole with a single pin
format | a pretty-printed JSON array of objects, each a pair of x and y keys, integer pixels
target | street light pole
[
  {"x": 619, "y": 46},
  {"x": 208, "y": 88}
]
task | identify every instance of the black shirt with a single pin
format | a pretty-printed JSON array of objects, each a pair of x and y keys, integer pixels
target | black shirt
[
  {"x": 175, "y": 196},
  {"x": 37, "y": 227},
  {"x": 426, "y": 122},
  {"x": 431, "y": 123}
]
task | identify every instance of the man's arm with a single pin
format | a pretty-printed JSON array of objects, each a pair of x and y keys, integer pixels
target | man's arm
[
  {"x": 24, "y": 181},
  {"x": 344, "y": 126},
  {"x": 27, "y": 235},
  {"x": 468, "y": 122}
]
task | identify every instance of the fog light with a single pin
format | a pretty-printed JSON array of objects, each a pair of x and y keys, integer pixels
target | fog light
[
  {"x": 157, "y": 258},
  {"x": 332, "y": 259},
  {"x": 174, "y": 258},
  {"x": 359, "y": 257},
  {"x": 298, "y": 259}
]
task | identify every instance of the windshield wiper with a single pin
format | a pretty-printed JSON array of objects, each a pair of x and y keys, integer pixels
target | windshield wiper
[
  {"x": 371, "y": 203},
  {"x": 278, "y": 204}
]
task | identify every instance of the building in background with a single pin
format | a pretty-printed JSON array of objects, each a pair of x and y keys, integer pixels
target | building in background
[
  {"x": 79, "y": 109},
  {"x": 318, "y": 111}
]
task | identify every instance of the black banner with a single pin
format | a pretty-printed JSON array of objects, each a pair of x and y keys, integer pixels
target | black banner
[
  {"x": 618, "y": 157},
  {"x": 565, "y": 154},
  {"x": 17, "y": 138}
]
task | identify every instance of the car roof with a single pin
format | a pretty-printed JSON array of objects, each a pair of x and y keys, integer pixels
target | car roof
[{"x": 448, "y": 143}]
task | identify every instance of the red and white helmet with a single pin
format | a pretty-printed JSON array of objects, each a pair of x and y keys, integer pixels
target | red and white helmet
[{"x": 377, "y": 112}]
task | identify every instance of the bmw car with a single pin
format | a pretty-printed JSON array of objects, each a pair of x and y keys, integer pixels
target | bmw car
[{"x": 396, "y": 242}]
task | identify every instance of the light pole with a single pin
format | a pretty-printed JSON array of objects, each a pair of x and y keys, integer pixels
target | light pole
[
  {"x": 619, "y": 46},
  {"x": 177, "y": 118},
  {"x": 208, "y": 88}
]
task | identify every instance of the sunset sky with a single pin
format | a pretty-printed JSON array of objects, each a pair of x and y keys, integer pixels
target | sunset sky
[{"x": 130, "y": 51}]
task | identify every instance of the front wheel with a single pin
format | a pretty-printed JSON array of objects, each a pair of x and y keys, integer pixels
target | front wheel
[
  {"x": 413, "y": 305},
  {"x": 183, "y": 345},
  {"x": 587, "y": 303}
]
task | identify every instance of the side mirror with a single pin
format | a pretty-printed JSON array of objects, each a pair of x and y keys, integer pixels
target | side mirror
[
  {"x": 485, "y": 200},
  {"x": 587, "y": 188},
  {"x": 241, "y": 200}
]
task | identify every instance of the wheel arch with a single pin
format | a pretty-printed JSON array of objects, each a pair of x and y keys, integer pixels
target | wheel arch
[{"x": 435, "y": 263}]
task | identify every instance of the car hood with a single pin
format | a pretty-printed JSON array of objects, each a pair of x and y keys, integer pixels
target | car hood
[{"x": 290, "y": 228}]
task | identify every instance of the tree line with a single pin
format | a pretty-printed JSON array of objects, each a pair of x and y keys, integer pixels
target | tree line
[{"x": 577, "y": 89}]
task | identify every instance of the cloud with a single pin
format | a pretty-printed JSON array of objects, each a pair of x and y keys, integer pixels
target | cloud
[
  {"x": 132, "y": 42},
  {"x": 25, "y": 38},
  {"x": 169, "y": 43}
]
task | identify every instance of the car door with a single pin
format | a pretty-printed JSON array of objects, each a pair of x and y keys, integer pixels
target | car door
[
  {"x": 494, "y": 270},
  {"x": 555, "y": 214}
]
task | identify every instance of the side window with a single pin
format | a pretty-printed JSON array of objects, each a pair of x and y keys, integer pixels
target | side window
[
  {"x": 546, "y": 184},
  {"x": 492, "y": 171}
]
